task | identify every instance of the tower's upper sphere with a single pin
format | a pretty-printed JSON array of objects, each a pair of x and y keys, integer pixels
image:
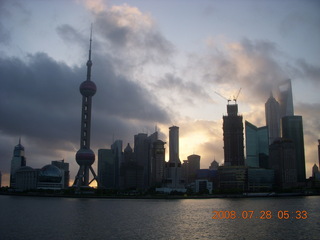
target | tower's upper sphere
[
  {"x": 88, "y": 88},
  {"x": 85, "y": 157}
]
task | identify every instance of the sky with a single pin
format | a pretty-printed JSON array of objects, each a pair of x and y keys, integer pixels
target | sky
[{"x": 155, "y": 64}]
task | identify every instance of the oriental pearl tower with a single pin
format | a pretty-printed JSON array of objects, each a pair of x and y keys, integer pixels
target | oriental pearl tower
[{"x": 85, "y": 156}]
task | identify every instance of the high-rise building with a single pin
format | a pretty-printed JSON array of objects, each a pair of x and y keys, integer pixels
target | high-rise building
[
  {"x": 131, "y": 174},
  {"x": 63, "y": 166},
  {"x": 193, "y": 167},
  {"x": 85, "y": 157},
  {"x": 18, "y": 160},
  {"x": 157, "y": 163},
  {"x": 257, "y": 145},
  {"x": 282, "y": 161},
  {"x": 143, "y": 154},
  {"x": 272, "y": 112},
  {"x": 173, "y": 167},
  {"x": 233, "y": 137},
  {"x": 285, "y": 98},
  {"x": 106, "y": 169},
  {"x": 0, "y": 179},
  {"x": 116, "y": 148},
  {"x": 319, "y": 151},
  {"x": 292, "y": 128}
]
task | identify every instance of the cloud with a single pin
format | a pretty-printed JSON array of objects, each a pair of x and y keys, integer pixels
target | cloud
[
  {"x": 182, "y": 90},
  {"x": 132, "y": 35},
  {"x": 40, "y": 101}
]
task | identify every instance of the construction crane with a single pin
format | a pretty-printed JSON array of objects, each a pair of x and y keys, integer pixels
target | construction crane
[
  {"x": 236, "y": 97},
  {"x": 229, "y": 99},
  {"x": 223, "y": 97}
]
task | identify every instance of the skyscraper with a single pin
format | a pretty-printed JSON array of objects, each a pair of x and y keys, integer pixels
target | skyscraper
[
  {"x": 257, "y": 145},
  {"x": 272, "y": 112},
  {"x": 106, "y": 169},
  {"x": 292, "y": 128},
  {"x": 18, "y": 161},
  {"x": 319, "y": 151},
  {"x": 174, "y": 165},
  {"x": 285, "y": 98},
  {"x": 143, "y": 154},
  {"x": 157, "y": 162},
  {"x": 233, "y": 137},
  {"x": 282, "y": 160},
  {"x": 85, "y": 157}
]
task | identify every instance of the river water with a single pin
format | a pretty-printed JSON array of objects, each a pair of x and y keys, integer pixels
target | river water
[{"x": 79, "y": 218}]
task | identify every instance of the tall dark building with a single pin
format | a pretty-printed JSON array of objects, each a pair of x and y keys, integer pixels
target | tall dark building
[
  {"x": 257, "y": 145},
  {"x": 193, "y": 165},
  {"x": 292, "y": 129},
  {"x": 106, "y": 169},
  {"x": 233, "y": 137},
  {"x": 157, "y": 162},
  {"x": 18, "y": 161},
  {"x": 272, "y": 112},
  {"x": 282, "y": 161},
  {"x": 173, "y": 167},
  {"x": 285, "y": 98},
  {"x": 85, "y": 157},
  {"x": 143, "y": 151},
  {"x": 319, "y": 151}
]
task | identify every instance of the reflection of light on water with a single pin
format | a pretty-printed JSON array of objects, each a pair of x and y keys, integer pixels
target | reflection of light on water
[{"x": 83, "y": 218}]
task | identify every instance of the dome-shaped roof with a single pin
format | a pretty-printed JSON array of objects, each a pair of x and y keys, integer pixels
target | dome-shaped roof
[
  {"x": 50, "y": 173},
  {"x": 88, "y": 88}
]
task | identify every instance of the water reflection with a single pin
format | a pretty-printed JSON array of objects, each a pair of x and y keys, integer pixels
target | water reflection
[{"x": 65, "y": 218}]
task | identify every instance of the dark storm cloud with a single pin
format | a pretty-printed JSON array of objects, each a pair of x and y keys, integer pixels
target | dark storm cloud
[{"x": 40, "y": 101}]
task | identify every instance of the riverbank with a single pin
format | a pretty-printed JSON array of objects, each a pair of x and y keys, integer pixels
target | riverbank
[{"x": 92, "y": 195}]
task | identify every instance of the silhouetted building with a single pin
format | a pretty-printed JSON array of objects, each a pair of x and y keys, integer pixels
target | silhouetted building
[
  {"x": 272, "y": 112},
  {"x": 18, "y": 161},
  {"x": 260, "y": 179},
  {"x": 85, "y": 157},
  {"x": 116, "y": 148},
  {"x": 282, "y": 159},
  {"x": 131, "y": 174},
  {"x": 285, "y": 98},
  {"x": 233, "y": 137},
  {"x": 257, "y": 145},
  {"x": 50, "y": 177},
  {"x": 157, "y": 163},
  {"x": 319, "y": 151},
  {"x": 63, "y": 166},
  {"x": 292, "y": 128},
  {"x": 173, "y": 166},
  {"x": 214, "y": 165},
  {"x": 107, "y": 169},
  {"x": 233, "y": 178},
  {"x": 26, "y": 178},
  {"x": 193, "y": 164},
  {"x": 0, "y": 179}
]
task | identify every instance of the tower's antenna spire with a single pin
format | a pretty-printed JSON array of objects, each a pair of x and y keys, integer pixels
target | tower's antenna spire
[
  {"x": 90, "y": 43},
  {"x": 89, "y": 62}
]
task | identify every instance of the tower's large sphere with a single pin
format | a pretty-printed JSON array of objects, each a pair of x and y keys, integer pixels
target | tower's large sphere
[
  {"x": 88, "y": 88},
  {"x": 85, "y": 157}
]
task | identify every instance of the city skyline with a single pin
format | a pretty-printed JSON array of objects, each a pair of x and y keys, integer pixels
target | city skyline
[{"x": 149, "y": 75}]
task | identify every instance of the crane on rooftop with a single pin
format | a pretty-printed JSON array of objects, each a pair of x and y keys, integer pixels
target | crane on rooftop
[{"x": 235, "y": 97}]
